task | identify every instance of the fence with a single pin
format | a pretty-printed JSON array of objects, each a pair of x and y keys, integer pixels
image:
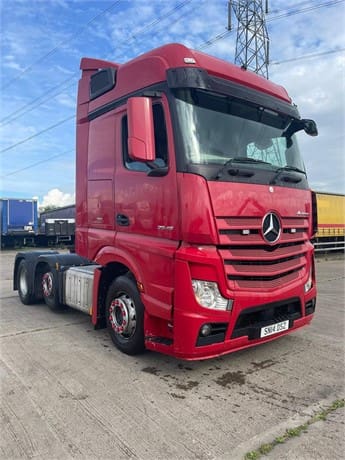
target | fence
[{"x": 322, "y": 246}]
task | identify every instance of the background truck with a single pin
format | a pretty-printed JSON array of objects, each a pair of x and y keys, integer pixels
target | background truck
[
  {"x": 19, "y": 222},
  {"x": 57, "y": 226},
  {"x": 194, "y": 217}
]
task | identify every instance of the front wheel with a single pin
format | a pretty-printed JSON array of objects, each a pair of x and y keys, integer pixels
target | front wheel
[{"x": 125, "y": 316}]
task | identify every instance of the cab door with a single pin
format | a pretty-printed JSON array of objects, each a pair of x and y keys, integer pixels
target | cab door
[{"x": 146, "y": 212}]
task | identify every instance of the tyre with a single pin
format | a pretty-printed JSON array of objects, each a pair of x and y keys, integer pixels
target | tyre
[
  {"x": 125, "y": 316},
  {"x": 50, "y": 290},
  {"x": 26, "y": 297}
]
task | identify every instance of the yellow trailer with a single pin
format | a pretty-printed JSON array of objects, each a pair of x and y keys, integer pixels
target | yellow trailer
[{"x": 331, "y": 216}]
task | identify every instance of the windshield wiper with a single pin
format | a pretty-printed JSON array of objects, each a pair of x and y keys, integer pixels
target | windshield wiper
[
  {"x": 290, "y": 178},
  {"x": 237, "y": 171}
]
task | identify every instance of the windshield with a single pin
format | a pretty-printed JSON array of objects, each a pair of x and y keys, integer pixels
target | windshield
[{"x": 216, "y": 128}]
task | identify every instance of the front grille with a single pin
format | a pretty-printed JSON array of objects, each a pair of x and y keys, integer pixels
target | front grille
[
  {"x": 265, "y": 262},
  {"x": 251, "y": 320},
  {"x": 251, "y": 263},
  {"x": 248, "y": 230}
]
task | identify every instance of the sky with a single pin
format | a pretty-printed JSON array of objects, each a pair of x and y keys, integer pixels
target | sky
[{"x": 42, "y": 42}]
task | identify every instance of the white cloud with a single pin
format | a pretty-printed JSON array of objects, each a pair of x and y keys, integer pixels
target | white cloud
[{"x": 57, "y": 198}]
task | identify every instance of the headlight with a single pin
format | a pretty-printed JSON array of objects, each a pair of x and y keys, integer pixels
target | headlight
[
  {"x": 309, "y": 284},
  {"x": 208, "y": 296}
]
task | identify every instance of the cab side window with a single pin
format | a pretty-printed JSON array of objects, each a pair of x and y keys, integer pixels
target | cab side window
[{"x": 161, "y": 143}]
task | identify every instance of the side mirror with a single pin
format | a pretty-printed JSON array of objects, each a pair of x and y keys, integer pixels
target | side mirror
[
  {"x": 141, "y": 141},
  {"x": 310, "y": 127}
]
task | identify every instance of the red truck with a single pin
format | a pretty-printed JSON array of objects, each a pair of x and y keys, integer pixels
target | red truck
[{"x": 193, "y": 212}]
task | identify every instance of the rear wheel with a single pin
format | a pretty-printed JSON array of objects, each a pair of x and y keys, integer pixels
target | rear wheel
[
  {"x": 50, "y": 290},
  {"x": 125, "y": 316},
  {"x": 23, "y": 284}
]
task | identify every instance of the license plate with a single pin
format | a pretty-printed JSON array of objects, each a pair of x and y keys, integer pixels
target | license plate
[{"x": 274, "y": 328}]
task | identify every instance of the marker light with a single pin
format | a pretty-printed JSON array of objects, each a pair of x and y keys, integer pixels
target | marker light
[{"x": 208, "y": 296}]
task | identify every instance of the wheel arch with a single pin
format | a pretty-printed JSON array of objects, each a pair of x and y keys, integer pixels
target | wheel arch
[
  {"x": 108, "y": 274},
  {"x": 116, "y": 262},
  {"x": 110, "y": 256}
]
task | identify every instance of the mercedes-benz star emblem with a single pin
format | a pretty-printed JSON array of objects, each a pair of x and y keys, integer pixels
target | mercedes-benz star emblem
[{"x": 271, "y": 228}]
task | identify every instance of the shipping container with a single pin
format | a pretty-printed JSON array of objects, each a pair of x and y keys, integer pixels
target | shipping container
[{"x": 19, "y": 221}]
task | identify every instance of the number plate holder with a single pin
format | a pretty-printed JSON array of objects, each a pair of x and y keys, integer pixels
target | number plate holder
[{"x": 275, "y": 328}]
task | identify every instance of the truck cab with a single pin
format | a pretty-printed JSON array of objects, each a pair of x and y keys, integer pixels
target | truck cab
[{"x": 193, "y": 208}]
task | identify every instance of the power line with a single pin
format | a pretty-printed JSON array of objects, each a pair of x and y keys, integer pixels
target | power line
[
  {"x": 37, "y": 163},
  {"x": 21, "y": 111},
  {"x": 315, "y": 6},
  {"x": 305, "y": 10},
  {"x": 37, "y": 134},
  {"x": 27, "y": 107},
  {"x": 296, "y": 5},
  {"x": 309, "y": 56},
  {"x": 176, "y": 8},
  {"x": 52, "y": 51},
  {"x": 158, "y": 20}
]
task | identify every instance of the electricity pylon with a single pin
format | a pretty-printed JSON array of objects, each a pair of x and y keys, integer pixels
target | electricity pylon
[{"x": 252, "y": 43}]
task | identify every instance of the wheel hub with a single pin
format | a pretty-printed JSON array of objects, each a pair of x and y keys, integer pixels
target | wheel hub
[
  {"x": 47, "y": 284},
  {"x": 122, "y": 316}
]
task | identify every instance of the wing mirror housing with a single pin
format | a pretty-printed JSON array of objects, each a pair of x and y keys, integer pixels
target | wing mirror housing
[
  {"x": 141, "y": 142},
  {"x": 310, "y": 127}
]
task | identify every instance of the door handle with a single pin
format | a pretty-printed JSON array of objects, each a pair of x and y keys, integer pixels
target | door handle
[{"x": 122, "y": 220}]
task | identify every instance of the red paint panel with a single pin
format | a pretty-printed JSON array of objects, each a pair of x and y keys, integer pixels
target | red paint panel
[
  {"x": 250, "y": 200},
  {"x": 197, "y": 224},
  {"x": 101, "y": 148},
  {"x": 100, "y": 216}
]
